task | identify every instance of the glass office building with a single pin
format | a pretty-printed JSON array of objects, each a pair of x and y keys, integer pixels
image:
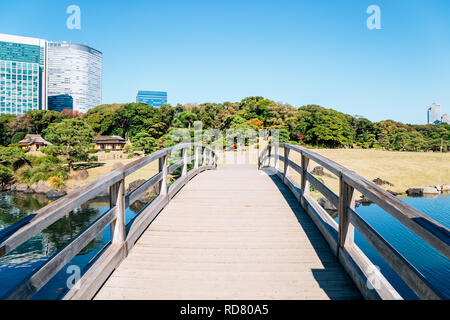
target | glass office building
[
  {"x": 434, "y": 113},
  {"x": 22, "y": 74},
  {"x": 74, "y": 77},
  {"x": 152, "y": 98}
]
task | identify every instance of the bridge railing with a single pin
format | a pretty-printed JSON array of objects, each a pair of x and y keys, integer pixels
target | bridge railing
[
  {"x": 123, "y": 237},
  {"x": 340, "y": 236}
]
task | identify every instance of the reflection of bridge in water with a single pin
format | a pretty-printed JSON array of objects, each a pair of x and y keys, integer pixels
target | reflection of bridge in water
[{"x": 231, "y": 233}]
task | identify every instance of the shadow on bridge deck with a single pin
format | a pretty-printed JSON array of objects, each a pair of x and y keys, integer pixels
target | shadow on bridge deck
[
  {"x": 232, "y": 233},
  {"x": 325, "y": 274}
]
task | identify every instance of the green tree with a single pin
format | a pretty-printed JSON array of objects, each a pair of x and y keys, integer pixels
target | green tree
[
  {"x": 6, "y": 175},
  {"x": 324, "y": 127},
  {"x": 5, "y": 136},
  {"x": 144, "y": 141},
  {"x": 35, "y": 121},
  {"x": 100, "y": 118},
  {"x": 12, "y": 157},
  {"x": 71, "y": 138}
]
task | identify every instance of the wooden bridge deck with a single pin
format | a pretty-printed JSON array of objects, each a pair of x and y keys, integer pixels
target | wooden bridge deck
[{"x": 232, "y": 233}]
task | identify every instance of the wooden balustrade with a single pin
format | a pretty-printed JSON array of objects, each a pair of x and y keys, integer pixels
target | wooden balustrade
[
  {"x": 340, "y": 235},
  {"x": 123, "y": 236}
]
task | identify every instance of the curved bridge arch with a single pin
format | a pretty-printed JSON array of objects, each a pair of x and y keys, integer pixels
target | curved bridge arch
[{"x": 123, "y": 237}]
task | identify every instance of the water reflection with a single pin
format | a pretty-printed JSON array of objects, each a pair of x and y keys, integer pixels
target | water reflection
[{"x": 18, "y": 264}]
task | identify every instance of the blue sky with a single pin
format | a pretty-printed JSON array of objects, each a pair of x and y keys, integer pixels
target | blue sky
[{"x": 297, "y": 52}]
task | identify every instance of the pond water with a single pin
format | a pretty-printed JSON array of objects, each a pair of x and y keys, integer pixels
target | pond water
[
  {"x": 18, "y": 264},
  {"x": 434, "y": 266}
]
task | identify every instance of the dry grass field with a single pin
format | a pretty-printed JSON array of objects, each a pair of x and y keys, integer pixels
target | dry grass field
[
  {"x": 403, "y": 169},
  {"x": 108, "y": 165}
]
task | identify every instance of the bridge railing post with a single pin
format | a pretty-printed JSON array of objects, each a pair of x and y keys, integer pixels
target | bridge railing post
[
  {"x": 211, "y": 158},
  {"x": 195, "y": 157},
  {"x": 304, "y": 187},
  {"x": 286, "y": 163},
  {"x": 163, "y": 168},
  {"x": 203, "y": 156},
  {"x": 184, "y": 154},
  {"x": 117, "y": 199},
  {"x": 346, "y": 201},
  {"x": 276, "y": 161}
]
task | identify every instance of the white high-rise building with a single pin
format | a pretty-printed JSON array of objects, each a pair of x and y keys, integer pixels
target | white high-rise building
[
  {"x": 37, "y": 74},
  {"x": 445, "y": 118},
  {"x": 434, "y": 113},
  {"x": 74, "y": 77}
]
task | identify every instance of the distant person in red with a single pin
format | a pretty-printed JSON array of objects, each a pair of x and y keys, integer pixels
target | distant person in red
[{"x": 235, "y": 146}]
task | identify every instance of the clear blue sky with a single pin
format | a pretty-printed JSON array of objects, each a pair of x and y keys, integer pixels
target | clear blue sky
[{"x": 297, "y": 52}]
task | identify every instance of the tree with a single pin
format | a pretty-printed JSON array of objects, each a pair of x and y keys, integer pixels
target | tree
[
  {"x": 5, "y": 120},
  {"x": 70, "y": 114},
  {"x": 100, "y": 118},
  {"x": 71, "y": 138},
  {"x": 144, "y": 141},
  {"x": 324, "y": 127},
  {"x": 6, "y": 175},
  {"x": 12, "y": 157},
  {"x": 187, "y": 118},
  {"x": 35, "y": 121}
]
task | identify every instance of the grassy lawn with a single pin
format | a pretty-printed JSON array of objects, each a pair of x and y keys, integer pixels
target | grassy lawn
[
  {"x": 403, "y": 169},
  {"x": 144, "y": 173}
]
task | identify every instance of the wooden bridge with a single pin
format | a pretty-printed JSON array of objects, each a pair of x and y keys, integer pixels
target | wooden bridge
[{"x": 232, "y": 232}]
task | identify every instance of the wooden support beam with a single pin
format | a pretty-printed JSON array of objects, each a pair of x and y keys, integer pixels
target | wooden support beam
[
  {"x": 163, "y": 170},
  {"x": 346, "y": 201},
  {"x": 117, "y": 199},
  {"x": 286, "y": 164},
  {"x": 304, "y": 187}
]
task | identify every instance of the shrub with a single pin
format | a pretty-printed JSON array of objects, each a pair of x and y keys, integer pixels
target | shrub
[
  {"x": 130, "y": 156},
  {"x": 6, "y": 175},
  {"x": 107, "y": 151},
  {"x": 92, "y": 151},
  {"x": 56, "y": 182},
  {"x": 45, "y": 159},
  {"x": 42, "y": 172}
]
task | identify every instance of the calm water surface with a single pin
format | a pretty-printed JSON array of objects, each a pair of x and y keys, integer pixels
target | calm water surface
[{"x": 18, "y": 264}]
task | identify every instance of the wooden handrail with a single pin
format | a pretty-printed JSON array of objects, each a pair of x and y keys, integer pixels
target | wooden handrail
[
  {"x": 354, "y": 261},
  {"x": 121, "y": 241}
]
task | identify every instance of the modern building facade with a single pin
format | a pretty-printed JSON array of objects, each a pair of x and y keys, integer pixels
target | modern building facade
[
  {"x": 37, "y": 74},
  {"x": 152, "y": 98},
  {"x": 74, "y": 77},
  {"x": 434, "y": 113},
  {"x": 445, "y": 118},
  {"x": 23, "y": 74}
]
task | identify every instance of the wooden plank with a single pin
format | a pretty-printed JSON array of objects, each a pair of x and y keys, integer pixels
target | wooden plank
[
  {"x": 429, "y": 230},
  {"x": 58, "y": 209},
  {"x": 346, "y": 201},
  {"x": 143, "y": 220},
  {"x": 323, "y": 189},
  {"x": 363, "y": 272},
  {"x": 142, "y": 189},
  {"x": 39, "y": 278},
  {"x": 230, "y": 243},
  {"x": 412, "y": 277},
  {"x": 97, "y": 274}
]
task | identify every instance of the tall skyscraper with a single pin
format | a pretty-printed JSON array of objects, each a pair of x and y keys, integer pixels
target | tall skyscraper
[
  {"x": 445, "y": 118},
  {"x": 152, "y": 98},
  {"x": 23, "y": 74},
  {"x": 74, "y": 77},
  {"x": 434, "y": 113}
]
